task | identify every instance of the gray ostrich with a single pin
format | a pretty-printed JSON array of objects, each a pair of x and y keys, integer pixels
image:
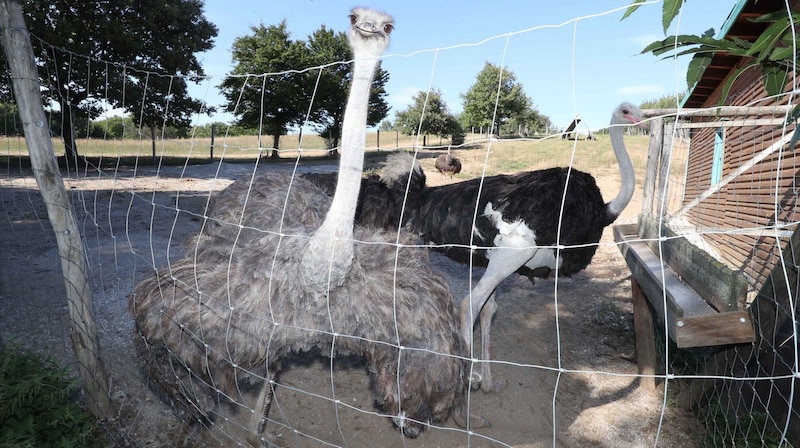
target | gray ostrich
[{"x": 216, "y": 324}]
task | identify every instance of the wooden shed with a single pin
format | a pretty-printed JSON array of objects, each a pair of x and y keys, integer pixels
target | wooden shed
[{"x": 713, "y": 253}]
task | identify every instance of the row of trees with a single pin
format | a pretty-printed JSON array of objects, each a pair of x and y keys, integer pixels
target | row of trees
[
  {"x": 507, "y": 102},
  {"x": 139, "y": 57}
]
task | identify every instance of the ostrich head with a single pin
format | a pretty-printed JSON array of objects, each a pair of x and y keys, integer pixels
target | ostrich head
[
  {"x": 370, "y": 30},
  {"x": 627, "y": 113}
]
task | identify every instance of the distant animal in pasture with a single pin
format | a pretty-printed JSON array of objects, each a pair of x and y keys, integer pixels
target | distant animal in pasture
[{"x": 448, "y": 164}]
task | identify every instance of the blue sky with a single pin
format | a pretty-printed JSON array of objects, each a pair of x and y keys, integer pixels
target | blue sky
[{"x": 571, "y": 56}]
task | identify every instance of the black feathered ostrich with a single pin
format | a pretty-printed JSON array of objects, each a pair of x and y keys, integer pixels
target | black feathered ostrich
[
  {"x": 517, "y": 225},
  {"x": 448, "y": 164},
  {"x": 276, "y": 270}
]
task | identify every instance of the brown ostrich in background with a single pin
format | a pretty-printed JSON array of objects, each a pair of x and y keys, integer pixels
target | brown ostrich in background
[
  {"x": 217, "y": 323},
  {"x": 448, "y": 164}
]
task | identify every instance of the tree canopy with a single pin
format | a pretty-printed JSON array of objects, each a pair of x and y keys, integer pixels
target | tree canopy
[
  {"x": 272, "y": 88},
  {"x": 428, "y": 115},
  {"x": 119, "y": 54},
  {"x": 480, "y": 99},
  {"x": 326, "y": 47}
]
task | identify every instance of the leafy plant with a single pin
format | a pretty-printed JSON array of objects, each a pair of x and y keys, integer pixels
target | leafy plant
[
  {"x": 773, "y": 51},
  {"x": 36, "y": 405}
]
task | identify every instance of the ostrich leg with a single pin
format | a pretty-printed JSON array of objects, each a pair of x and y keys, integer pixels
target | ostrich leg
[
  {"x": 263, "y": 403},
  {"x": 503, "y": 261}
]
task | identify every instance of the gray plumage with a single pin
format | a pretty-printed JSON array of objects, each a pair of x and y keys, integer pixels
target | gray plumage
[
  {"x": 234, "y": 300},
  {"x": 276, "y": 269}
]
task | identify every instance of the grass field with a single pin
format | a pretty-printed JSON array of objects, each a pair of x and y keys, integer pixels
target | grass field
[{"x": 478, "y": 155}]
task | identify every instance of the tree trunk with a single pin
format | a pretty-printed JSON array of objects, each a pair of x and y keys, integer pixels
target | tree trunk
[
  {"x": 276, "y": 139},
  {"x": 68, "y": 134},
  {"x": 27, "y": 89},
  {"x": 153, "y": 141}
]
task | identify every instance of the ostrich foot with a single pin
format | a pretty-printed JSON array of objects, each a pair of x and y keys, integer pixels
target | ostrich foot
[
  {"x": 488, "y": 385},
  {"x": 475, "y": 421}
]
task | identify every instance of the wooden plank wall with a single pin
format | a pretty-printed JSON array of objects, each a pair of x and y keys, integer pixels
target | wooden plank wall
[{"x": 749, "y": 201}]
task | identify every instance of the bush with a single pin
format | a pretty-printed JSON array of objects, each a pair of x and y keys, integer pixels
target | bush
[{"x": 37, "y": 408}]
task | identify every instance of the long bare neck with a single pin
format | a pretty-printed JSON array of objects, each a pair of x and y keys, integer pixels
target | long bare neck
[
  {"x": 339, "y": 220},
  {"x": 331, "y": 247},
  {"x": 627, "y": 175}
]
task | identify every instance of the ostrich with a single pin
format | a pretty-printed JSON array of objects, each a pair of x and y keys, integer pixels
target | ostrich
[
  {"x": 518, "y": 227},
  {"x": 383, "y": 198},
  {"x": 215, "y": 325},
  {"x": 448, "y": 164}
]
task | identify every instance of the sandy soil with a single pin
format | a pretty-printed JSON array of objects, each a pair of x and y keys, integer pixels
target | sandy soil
[{"x": 564, "y": 346}]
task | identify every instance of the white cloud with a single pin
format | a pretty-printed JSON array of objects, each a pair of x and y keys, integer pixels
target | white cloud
[{"x": 640, "y": 89}]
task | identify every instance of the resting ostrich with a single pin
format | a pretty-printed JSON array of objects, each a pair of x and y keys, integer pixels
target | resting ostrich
[
  {"x": 218, "y": 322},
  {"x": 518, "y": 225},
  {"x": 448, "y": 164}
]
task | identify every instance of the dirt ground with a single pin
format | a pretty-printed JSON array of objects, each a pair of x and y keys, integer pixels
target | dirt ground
[{"x": 566, "y": 347}]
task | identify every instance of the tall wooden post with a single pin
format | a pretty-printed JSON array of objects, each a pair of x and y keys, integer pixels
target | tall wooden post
[
  {"x": 25, "y": 79},
  {"x": 213, "y": 134}
]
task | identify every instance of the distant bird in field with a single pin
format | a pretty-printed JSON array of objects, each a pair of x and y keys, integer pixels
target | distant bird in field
[{"x": 448, "y": 164}]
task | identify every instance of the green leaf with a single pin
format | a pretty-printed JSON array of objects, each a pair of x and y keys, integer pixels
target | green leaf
[
  {"x": 669, "y": 11},
  {"x": 781, "y": 54},
  {"x": 696, "y": 68},
  {"x": 768, "y": 39},
  {"x": 633, "y": 7},
  {"x": 775, "y": 77},
  {"x": 729, "y": 83}
]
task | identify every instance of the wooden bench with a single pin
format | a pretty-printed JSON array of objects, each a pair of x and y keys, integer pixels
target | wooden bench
[{"x": 690, "y": 319}]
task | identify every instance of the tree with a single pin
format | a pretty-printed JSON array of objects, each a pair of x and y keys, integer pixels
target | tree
[
  {"x": 480, "y": 99},
  {"x": 664, "y": 102},
  {"x": 119, "y": 50},
  {"x": 325, "y": 47},
  {"x": 266, "y": 89},
  {"x": 428, "y": 115}
]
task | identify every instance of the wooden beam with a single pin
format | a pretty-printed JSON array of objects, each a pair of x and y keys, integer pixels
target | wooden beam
[
  {"x": 733, "y": 123},
  {"x": 645, "y": 337},
  {"x": 690, "y": 320},
  {"x": 721, "y": 111},
  {"x": 651, "y": 172}
]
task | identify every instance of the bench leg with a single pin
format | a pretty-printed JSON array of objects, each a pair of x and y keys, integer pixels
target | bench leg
[{"x": 645, "y": 337}]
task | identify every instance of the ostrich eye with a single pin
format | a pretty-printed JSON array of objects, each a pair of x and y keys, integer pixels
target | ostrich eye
[
  {"x": 353, "y": 19},
  {"x": 388, "y": 28},
  {"x": 626, "y": 111}
]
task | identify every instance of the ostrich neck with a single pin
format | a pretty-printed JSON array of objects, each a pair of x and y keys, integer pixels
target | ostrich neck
[
  {"x": 339, "y": 220},
  {"x": 627, "y": 176},
  {"x": 331, "y": 247}
]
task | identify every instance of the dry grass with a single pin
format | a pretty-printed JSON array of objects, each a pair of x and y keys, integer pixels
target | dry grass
[
  {"x": 478, "y": 156},
  {"x": 511, "y": 156}
]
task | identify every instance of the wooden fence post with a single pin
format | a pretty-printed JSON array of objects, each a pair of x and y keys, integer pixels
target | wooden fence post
[
  {"x": 653, "y": 157},
  {"x": 25, "y": 79}
]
